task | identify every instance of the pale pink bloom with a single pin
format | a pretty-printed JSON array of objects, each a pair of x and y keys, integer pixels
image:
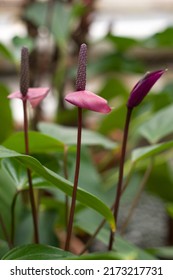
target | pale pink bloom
[
  {"x": 88, "y": 100},
  {"x": 34, "y": 95}
]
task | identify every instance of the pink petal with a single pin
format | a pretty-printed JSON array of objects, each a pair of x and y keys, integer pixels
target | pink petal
[
  {"x": 36, "y": 95},
  {"x": 88, "y": 100},
  {"x": 16, "y": 94}
]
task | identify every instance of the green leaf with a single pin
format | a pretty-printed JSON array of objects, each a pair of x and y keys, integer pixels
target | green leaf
[
  {"x": 115, "y": 120},
  {"x": 163, "y": 252},
  {"x": 160, "y": 39},
  {"x": 7, "y": 192},
  {"x": 38, "y": 143},
  {"x": 160, "y": 182},
  {"x": 68, "y": 135},
  {"x": 5, "y": 114},
  {"x": 62, "y": 23},
  {"x": 105, "y": 256},
  {"x": 5, "y": 53},
  {"x": 3, "y": 248},
  {"x": 121, "y": 246},
  {"x": 113, "y": 88},
  {"x": 150, "y": 151},
  {"x": 122, "y": 43},
  {"x": 59, "y": 182},
  {"x": 60, "y": 18},
  {"x": 159, "y": 126},
  {"x": 36, "y": 252},
  {"x": 114, "y": 62},
  {"x": 27, "y": 41}
]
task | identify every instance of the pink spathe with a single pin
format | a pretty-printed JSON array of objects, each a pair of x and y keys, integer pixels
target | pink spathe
[
  {"x": 88, "y": 100},
  {"x": 34, "y": 95}
]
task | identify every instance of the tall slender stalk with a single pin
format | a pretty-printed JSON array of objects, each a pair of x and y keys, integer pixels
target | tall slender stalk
[
  {"x": 121, "y": 172},
  {"x": 66, "y": 177},
  {"x": 73, "y": 203},
  {"x": 31, "y": 191}
]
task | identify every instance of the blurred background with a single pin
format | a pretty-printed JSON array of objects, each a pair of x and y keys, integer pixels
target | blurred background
[{"x": 125, "y": 40}]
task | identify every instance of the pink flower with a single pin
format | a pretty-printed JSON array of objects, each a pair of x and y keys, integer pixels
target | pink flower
[
  {"x": 88, "y": 100},
  {"x": 33, "y": 95},
  {"x": 83, "y": 98}
]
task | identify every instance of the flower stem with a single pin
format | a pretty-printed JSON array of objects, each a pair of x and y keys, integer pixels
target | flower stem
[
  {"x": 121, "y": 171},
  {"x": 66, "y": 177},
  {"x": 31, "y": 192},
  {"x": 74, "y": 194}
]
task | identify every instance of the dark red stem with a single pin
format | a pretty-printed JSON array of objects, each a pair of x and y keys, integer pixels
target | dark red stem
[
  {"x": 31, "y": 192},
  {"x": 74, "y": 194},
  {"x": 121, "y": 171}
]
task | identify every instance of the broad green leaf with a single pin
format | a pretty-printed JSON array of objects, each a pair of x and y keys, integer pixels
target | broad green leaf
[
  {"x": 5, "y": 114},
  {"x": 68, "y": 135},
  {"x": 92, "y": 183},
  {"x": 158, "y": 126},
  {"x": 32, "y": 11},
  {"x": 62, "y": 23},
  {"x": 150, "y": 151},
  {"x": 106, "y": 256},
  {"x": 38, "y": 143},
  {"x": 36, "y": 252},
  {"x": 24, "y": 229},
  {"x": 15, "y": 172},
  {"x": 122, "y": 43},
  {"x": 160, "y": 182},
  {"x": 27, "y": 41},
  {"x": 165, "y": 253},
  {"x": 169, "y": 208},
  {"x": 115, "y": 120},
  {"x": 60, "y": 18},
  {"x": 59, "y": 182},
  {"x": 160, "y": 39},
  {"x": 5, "y": 53},
  {"x": 113, "y": 88},
  {"x": 114, "y": 62},
  {"x": 121, "y": 246},
  {"x": 3, "y": 248},
  {"x": 7, "y": 192}
]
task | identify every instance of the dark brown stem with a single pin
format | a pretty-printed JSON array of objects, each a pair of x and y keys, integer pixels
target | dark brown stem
[
  {"x": 137, "y": 197},
  {"x": 74, "y": 194},
  {"x": 3, "y": 226},
  {"x": 121, "y": 171},
  {"x": 31, "y": 192},
  {"x": 66, "y": 177}
]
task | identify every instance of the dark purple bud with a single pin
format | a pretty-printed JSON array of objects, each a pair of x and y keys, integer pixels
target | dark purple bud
[
  {"x": 81, "y": 72},
  {"x": 24, "y": 71},
  {"x": 142, "y": 88}
]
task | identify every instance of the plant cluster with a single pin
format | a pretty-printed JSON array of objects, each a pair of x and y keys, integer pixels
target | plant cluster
[{"x": 61, "y": 187}]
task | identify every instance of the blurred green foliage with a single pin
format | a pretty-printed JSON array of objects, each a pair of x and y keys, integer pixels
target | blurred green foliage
[{"x": 150, "y": 136}]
